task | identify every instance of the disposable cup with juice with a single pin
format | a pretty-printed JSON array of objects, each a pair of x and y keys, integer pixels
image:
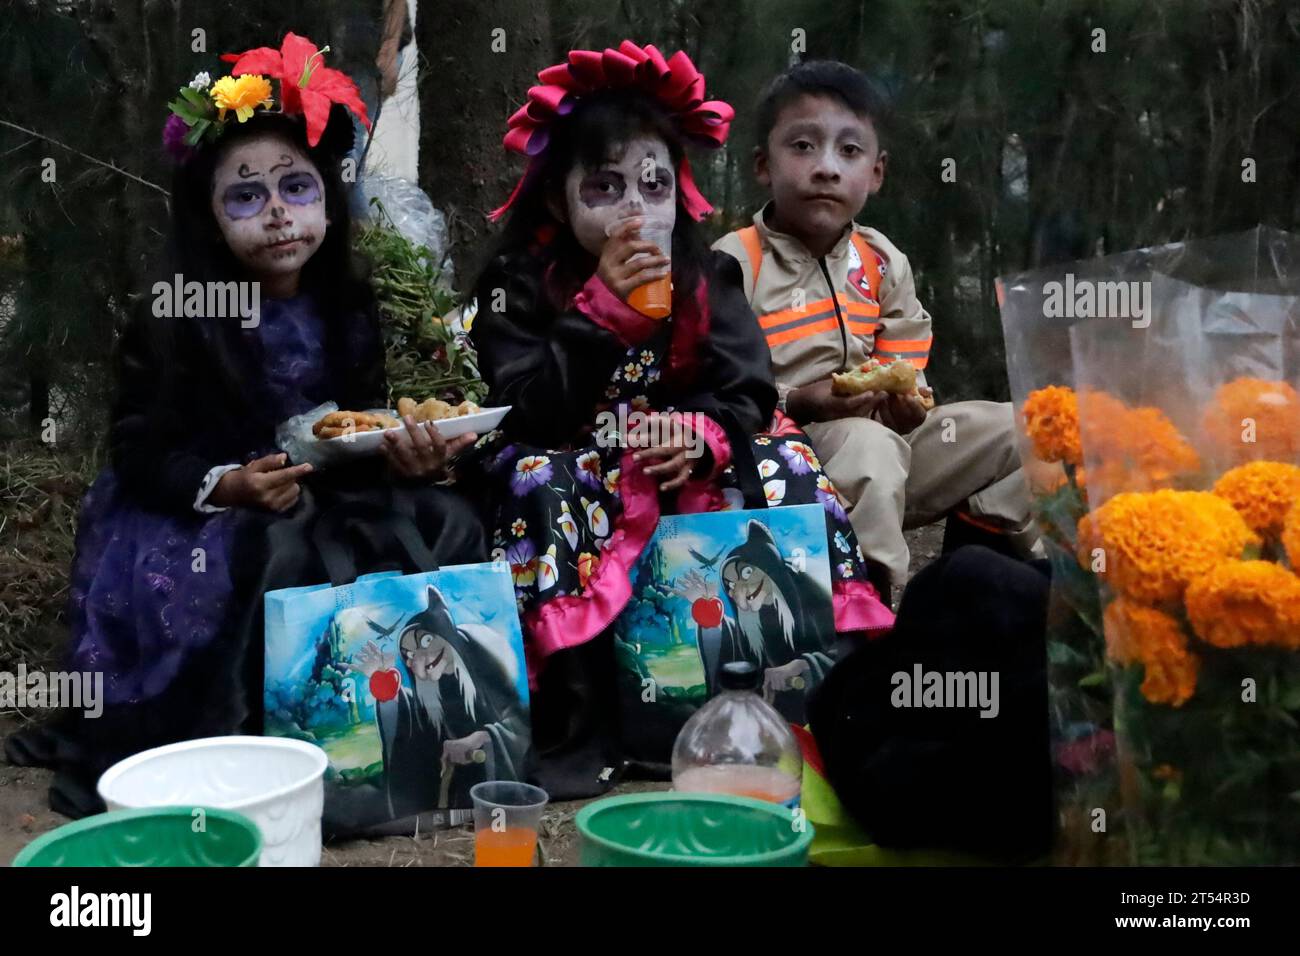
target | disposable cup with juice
[
  {"x": 506, "y": 815},
  {"x": 654, "y": 299}
]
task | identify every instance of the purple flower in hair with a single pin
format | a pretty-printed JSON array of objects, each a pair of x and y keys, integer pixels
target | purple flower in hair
[{"x": 173, "y": 136}]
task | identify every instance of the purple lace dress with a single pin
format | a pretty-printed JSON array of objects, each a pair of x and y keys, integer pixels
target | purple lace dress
[{"x": 149, "y": 589}]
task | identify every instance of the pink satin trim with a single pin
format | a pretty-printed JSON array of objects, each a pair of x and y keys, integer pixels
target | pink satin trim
[
  {"x": 715, "y": 436},
  {"x": 858, "y": 608},
  {"x": 699, "y": 496},
  {"x": 782, "y": 425},
  {"x": 691, "y": 321},
  {"x": 597, "y": 302},
  {"x": 574, "y": 619}
]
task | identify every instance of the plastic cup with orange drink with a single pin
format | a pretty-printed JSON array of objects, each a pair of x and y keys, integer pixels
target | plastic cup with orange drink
[
  {"x": 654, "y": 299},
  {"x": 506, "y": 816}
]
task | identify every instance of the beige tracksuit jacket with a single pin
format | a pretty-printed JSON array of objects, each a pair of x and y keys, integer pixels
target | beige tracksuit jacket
[{"x": 832, "y": 314}]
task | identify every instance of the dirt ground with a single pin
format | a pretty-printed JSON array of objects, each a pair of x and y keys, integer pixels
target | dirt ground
[{"x": 25, "y": 813}]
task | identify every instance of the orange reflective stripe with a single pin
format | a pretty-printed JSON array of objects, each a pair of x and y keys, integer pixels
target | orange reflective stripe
[
  {"x": 866, "y": 309},
  {"x": 901, "y": 346},
  {"x": 863, "y": 328},
  {"x": 754, "y": 250},
  {"x": 815, "y": 318},
  {"x": 785, "y": 316},
  {"x": 799, "y": 332}
]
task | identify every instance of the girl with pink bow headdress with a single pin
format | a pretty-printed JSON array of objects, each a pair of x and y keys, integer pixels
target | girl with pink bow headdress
[{"x": 619, "y": 415}]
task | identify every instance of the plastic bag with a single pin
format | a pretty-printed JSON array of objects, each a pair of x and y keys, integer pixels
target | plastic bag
[
  {"x": 294, "y": 437},
  {"x": 1190, "y": 430},
  {"x": 1176, "y": 422},
  {"x": 413, "y": 215}
]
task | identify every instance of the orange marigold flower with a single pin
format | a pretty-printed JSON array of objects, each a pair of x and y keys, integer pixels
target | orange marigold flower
[
  {"x": 1262, "y": 492},
  {"x": 1169, "y": 676},
  {"x": 1051, "y": 417},
  {"x": 1099, "y": 412},
  {"x": 1246, "y": 602},
  {"x": 1135, "y": 449},
  {"x": 1135, "y": 631},
  {"x": 1291, "y": 538},
  {"x": 1156, "y": 543},
  {"x": 1252, "y": 407},
  {"x": 1136, "y": 634}
]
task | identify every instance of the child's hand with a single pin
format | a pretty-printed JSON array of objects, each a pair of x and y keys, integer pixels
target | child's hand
[
  {"x": 816, "y": 403},
  {"x": 421, "y": 452},
  {"x": 673, "y": 463},
  {"x": 263, "y": 483},
  {"x": 622, "y": 276},
  {"x": 903, "y": 413}
]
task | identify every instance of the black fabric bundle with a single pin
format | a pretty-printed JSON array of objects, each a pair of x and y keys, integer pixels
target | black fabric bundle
[{"x": 945, "y": 777}]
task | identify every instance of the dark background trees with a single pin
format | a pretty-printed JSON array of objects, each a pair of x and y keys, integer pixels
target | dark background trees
[{"x": 1065, "y": 141}]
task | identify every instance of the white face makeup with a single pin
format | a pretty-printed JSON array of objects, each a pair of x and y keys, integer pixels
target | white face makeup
[
  {"x": 638, "y": 180},
  {"x": 269, "y": 202}
]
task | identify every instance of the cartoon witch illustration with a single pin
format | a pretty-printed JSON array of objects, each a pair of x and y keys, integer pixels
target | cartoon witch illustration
[
  {"x": 776, "y": 617},
  {"x": 449, "y": 717}
]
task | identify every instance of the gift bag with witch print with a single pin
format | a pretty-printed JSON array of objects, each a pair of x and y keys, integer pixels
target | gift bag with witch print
[
  {"x": 414, "y": 685},
  {"x": 718, "y": 587}
]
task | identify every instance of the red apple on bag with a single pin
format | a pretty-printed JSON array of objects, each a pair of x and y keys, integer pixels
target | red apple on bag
[
  {"x": 707, "y": 611},
  {"x": 384, "y": 684}
]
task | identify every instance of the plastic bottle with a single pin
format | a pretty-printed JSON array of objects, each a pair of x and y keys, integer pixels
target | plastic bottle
[{"x": 737, "y": 743}]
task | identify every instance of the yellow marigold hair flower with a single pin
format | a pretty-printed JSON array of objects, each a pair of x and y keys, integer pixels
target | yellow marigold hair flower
[
  {"x": 1272, "y": 408},
  {"x": 1051, "y": 417},
  {"x": 1156, "y": 543},
  {"x": 242, "y": 94},
  {"x": 1291, "y": 538},
  {"x": 1246, "y": 602},
  {"x": 1263, "y": 492}
]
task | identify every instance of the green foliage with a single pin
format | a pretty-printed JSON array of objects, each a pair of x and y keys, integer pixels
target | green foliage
[
  {"x": 1214, "y": 775},
  {"x": 425, "y": 358}
]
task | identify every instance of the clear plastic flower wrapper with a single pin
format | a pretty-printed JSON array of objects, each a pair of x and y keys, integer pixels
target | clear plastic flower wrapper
[
  {"x": 1040, "y": 366},
  {"x": 1190, "y": 430}
]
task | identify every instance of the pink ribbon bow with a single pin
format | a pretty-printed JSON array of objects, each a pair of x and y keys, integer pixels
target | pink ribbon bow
[{"x": 675, "y": 83}]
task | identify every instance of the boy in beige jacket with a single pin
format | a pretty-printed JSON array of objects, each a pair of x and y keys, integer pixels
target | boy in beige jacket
[{"x": 830, "y": 294}]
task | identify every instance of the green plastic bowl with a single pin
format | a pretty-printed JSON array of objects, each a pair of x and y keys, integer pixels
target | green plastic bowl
[
  {"x": 154, "y": 836},
  {"x": 691, "y": 829}
]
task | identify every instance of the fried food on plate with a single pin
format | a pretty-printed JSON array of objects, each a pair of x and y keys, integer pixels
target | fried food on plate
[
  {"x": 337, "y": 424},
  {"x": 433, "y": 409}
]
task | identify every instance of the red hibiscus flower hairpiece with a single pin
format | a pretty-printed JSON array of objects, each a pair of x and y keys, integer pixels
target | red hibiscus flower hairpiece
[
  {"x": 674, "y": 82},
  {"x": 306, "y": 85}
]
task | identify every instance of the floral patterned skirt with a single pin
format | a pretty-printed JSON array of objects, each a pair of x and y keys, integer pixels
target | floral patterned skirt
[{"x": 571, "y": 523}]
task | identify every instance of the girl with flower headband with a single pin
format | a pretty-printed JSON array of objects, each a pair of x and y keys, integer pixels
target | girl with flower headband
[
  {"x": 197, "y": 491},
  {"x": 606, "y": 136}
]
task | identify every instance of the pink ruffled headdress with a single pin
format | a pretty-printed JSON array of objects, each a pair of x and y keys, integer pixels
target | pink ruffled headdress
[{"x": 675, "y": 83}]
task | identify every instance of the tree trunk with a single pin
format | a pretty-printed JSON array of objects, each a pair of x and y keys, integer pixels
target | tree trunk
[{"x": 467, "y": 92}]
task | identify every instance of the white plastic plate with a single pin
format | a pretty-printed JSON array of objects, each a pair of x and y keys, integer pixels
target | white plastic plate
[{"x": 367, "y": 443}]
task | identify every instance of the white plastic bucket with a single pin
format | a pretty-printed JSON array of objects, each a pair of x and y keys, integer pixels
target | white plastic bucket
[{"x": 274, "y": 781}]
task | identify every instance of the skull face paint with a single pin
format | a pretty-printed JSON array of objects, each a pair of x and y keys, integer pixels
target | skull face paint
[
  {"x": 269, "y": 203},
  {"x": 638, "y": 179}
]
